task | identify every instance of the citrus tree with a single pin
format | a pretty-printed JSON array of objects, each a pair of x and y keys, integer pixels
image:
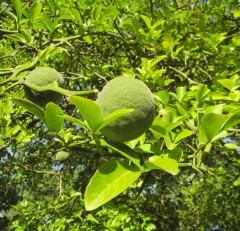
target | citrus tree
[{"x": 118, "y": 115}]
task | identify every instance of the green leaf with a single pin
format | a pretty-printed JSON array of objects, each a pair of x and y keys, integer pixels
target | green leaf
[
  {"x": 182, "y": 135},
  {"x": 153, "y": 62},
  {"x": 35, "y": 10},
  {"x": 202, "y": 92},
  {"x": 90, "y": 111},
  {"x": 237, "y": 182},
  {"x": 47, "y": 22},
  {"x": 236, "y": 39},
  {"x": 227, "y": 83},
  {"x": 17, "y": 37},
  {"x": 88, "y": 39},
  {"x": 217, "y": 109},
  {"x": 231, "y": 146},
  {"x": 212, "y": 124},
  {"x": 233, "y": 118},
  {"x": 76, "y": 121},
  {"x": 181, "y": 92},
  {"x": 147, "y": 148},
  {"x": 54, "y": 122},
  {"x": 49, "y": 52},
  {"x": 162, "y": 163},
  {"x": 146, "y": 20},
  {"x": 29, "y": 39},
  {"x": 162, "y": 96},
  {"x": 96, "y": 12},
  {"x": 31, "y": 107},
  {"x": 17, "y": 6},
  {"x": 124, "y": 150},
  {"x": 176, "y": 154},
  {"x": 114, "y": 116},
  {"x": 236, "y": 13},
  {"x": 112, "y": 178}
]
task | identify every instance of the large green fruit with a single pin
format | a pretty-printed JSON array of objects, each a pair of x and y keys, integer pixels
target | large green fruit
[
  {"x": 43, "y": 76},
  {"x": 127, "y": 93}
]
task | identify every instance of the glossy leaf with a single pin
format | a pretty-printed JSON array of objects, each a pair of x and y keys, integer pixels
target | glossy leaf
[
  {"x": 111, "y": 179},
  {"x": 114, "y": 116},
  {"x": 162, "y": 163},
  {"x": 76, "y": 121},
  {"x": 31, "y": 107},
  {"x": 90, "y": 111},
  {"x": 124, "y": 150},
  {"x": 212, "y": 124},
  {"x": 54, "y": 121},
  {"x": 35, "y": 10},
  {"x": 17, "y": 6}
]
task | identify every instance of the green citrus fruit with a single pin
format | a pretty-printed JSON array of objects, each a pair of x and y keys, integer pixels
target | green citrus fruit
[
  {"x": 61, "y": 155},
  {"x": 43, "y": 76},
  {"x": 127, "y": 93}
]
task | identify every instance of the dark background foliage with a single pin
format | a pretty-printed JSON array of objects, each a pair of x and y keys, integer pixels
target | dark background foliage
[{"x": 187, "y": 52}]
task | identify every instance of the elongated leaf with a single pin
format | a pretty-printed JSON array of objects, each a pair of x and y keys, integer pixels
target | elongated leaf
[
  {"x": 17, "y": 37},
  {"x": 17, "y": 6},
  {"x": 31, "y": 107},
  {"x": 147, "y": 148},
  {"x": 182, "y": 134},
  {"x": 165, "y": 164},
  {"x": 29, "y": 39},
  {"x": 114, "y": 116},
  {"x": 124, "y": 150},
  {"x": 35, "y": 10},
  {"x": 112, "y": 178},
  {"x": 54, "y": 122},
  {"x": 90, "y": 111},
  {"x": 146, "y": 20},
  {"x": 233, "y": 118},
  {"x": 75, "y": 121},
  {"x": 153, "y": 62}
]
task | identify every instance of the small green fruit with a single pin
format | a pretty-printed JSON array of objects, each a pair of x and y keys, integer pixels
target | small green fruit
[
  {"x": 43, "y": 76},
  {"x": 127, "y": 93},
  {"x": 61, "y": 155}
]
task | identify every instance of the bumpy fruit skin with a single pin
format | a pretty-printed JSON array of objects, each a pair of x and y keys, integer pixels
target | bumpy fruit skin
[
  {"x": 127, "y": 93},
  {"x": 43, "y": 76}
]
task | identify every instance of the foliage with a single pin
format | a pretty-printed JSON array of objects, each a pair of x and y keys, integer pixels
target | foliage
[{"x": 182, "y": 174}]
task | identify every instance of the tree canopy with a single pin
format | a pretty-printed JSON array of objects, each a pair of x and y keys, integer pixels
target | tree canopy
[{"x": 57, "y": 170}]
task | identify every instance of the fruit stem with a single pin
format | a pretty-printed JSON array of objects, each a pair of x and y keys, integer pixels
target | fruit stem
[{"x": 55, "y": 88}]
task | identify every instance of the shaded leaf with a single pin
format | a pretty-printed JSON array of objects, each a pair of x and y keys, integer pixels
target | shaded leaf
[
  {"x": 124, "y": 150},
  {"x": 75, "y": 121},
  {"x": 31, "y": 107},
  {"x": 54, "y": 122}
]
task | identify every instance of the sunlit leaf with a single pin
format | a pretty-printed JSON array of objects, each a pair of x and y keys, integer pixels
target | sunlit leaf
[
  {"x": 90, "y": 111},
  {"x": 112, "y": 178},
  {"x": 165, "y": 164},
  {"x": 31, "y": 107}
]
